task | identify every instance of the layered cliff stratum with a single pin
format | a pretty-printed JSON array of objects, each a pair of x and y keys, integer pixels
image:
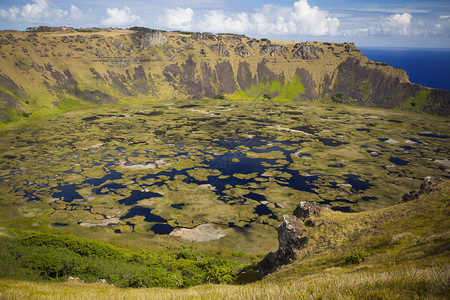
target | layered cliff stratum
[{"x": 55, "y": 69}]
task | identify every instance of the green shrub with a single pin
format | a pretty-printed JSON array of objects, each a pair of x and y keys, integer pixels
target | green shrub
[
  {"x": 36, "y": 256},
  {"x": 357, "y": 257},
  {"x": 337, "y": 98},
  {"x": 219, "y": 96},
  {"x": 268, "y": 96},
  {"x": 155, "y": 277}
]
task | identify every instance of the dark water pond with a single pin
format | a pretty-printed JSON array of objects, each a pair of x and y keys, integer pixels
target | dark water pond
[
  {"x": 233, "y": 159},
  {"x": 137, "y": 196},
  {"x": 434, "y": 135},
  {"x": 67, "y": 193},
  {"x": 398, "y": 161}
]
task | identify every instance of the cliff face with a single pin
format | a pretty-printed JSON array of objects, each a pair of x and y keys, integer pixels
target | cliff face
[{"x": 41, "y": 72}]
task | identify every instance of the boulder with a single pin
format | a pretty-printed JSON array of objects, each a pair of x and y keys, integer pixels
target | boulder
[
  {"x": 101, "y": 281},
  {"x": 75, "y": 279}
]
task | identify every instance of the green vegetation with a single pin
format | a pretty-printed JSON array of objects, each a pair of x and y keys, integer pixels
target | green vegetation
[
  {"x": 288, "y": 91},
  {"x": 337, "y": 98},
  {"x": 29, "y": 255},
  {"x": 418, "y": 102},
  {"x": 357, "y": 257}
]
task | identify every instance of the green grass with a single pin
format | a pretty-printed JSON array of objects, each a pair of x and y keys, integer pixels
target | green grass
[{"x": 289, "y": 91}]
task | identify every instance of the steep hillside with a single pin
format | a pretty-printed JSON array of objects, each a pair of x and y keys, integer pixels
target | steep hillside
[
  {"x": 400, "y": 252},
  {"x": 61, "y": 68}
]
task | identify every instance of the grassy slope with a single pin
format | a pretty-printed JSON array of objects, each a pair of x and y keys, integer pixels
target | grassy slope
[{"x": 408, "y": 243}]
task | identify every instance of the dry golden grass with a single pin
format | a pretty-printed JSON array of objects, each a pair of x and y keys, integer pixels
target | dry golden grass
[{"x": 401, "y": 283}]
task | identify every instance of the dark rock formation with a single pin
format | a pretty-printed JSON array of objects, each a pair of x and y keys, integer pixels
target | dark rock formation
[
  {"x": 265, "y": 74},
  {"x": 80, "y": 39},
  {"x": 308, "y": 52},
  {"x": 272, "y": 50},
  {"x": 221, "y": 49},
  {"x": 307, "y": 209},
  {"x": 242, "y": 51},
  {"x": 203, "y": 36},
  {"x": 308, "y": 83},
  {"x": 225, "y": 75},
  {"x": 32, "y": 37},
  {"x": 252, "y": 43},
  {"x": 429, "y": 185},
  {"x": 292, "y": 237},
  {"x": 244, "y": 76}
]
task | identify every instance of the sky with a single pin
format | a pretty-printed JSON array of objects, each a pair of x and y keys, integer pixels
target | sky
[{"x": 385, "y": 23}]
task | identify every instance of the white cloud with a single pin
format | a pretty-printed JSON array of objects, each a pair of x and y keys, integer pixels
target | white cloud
[
  {"x": 301, "y": 18},
  {"x": 120, "y": 17},
  {"x": 218, "y": 21},
  {"x": 10, "y": 14},
  {"x": 75, "y": 13},
  {"x": 42, "y": 11},
  {"x": 312, "y": 20},
  {"x": 442, "y": 26},
  {"x": 398, "y": 24},
  {"x": 179, "y": 18}
]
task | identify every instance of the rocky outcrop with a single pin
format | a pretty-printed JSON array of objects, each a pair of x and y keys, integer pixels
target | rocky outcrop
[
  {"x": 149, "y": 38},
  {"x": 273, "y": 50},
  {"x": 221, "y": 49},
  {"x": 242, "y": 51},
  {"x": 308, "y": 52},
  {"x": 429, "y": 185},
  {"x": 292, "y": 237},
  {"x": 305, "y": 209},
  {"x": 203, "y": 36}
]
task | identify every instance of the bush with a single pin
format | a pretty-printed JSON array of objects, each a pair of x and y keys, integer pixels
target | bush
[
  {"x": 155, "y": 277},
  {"x": 36, "y": 256},
  {"x": 268, "y": 96},
  {"x": 357, "y": 257},
  {"x": 337, "y": 98},
  {"x": 219, "y": 96}
]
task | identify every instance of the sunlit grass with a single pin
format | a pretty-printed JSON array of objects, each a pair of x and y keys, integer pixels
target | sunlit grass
[{"x": 401, "y": 283}]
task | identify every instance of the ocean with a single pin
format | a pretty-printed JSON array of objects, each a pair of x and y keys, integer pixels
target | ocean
[{"x": 427, "y": 67}]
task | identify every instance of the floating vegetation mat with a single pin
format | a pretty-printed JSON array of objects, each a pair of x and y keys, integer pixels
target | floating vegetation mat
[{"x": 166, "y": 168}]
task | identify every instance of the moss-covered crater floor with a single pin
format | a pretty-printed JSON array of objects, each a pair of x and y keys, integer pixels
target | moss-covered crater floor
[{"x": 218, "y": 173}]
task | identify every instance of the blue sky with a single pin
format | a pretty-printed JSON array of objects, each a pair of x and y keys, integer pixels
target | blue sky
[{"x": 385, "y": 23}]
